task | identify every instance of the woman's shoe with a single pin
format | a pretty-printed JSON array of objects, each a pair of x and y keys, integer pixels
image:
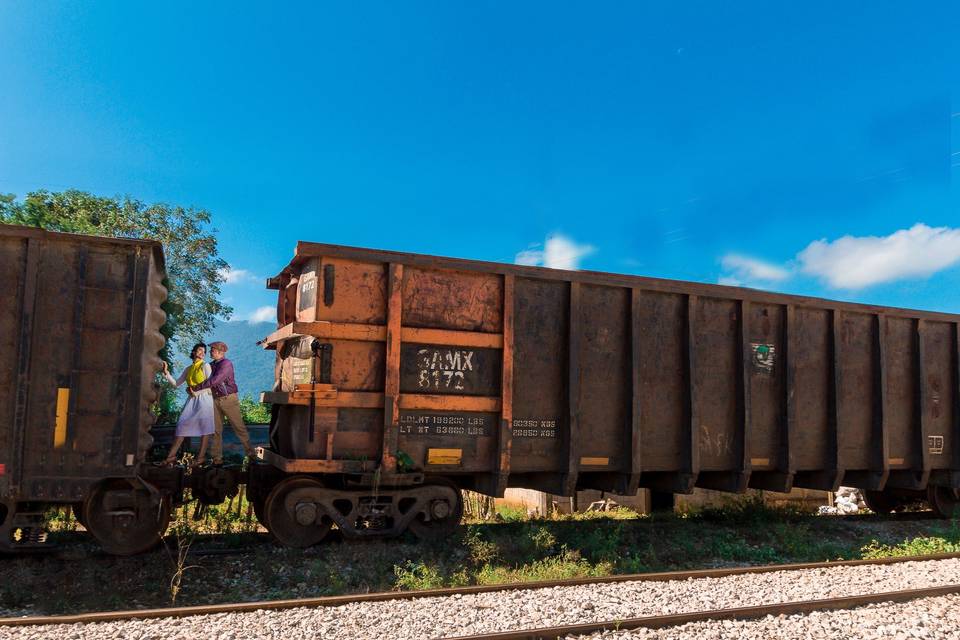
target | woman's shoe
[{"x": 169, "y": 461}]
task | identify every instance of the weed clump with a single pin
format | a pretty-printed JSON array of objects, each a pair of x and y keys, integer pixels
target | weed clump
[
  {"x": 944, "y": 541},
  {"x": 752, "y": 510}
]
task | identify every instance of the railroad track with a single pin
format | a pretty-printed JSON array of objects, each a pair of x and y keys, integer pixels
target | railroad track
[
  {"x": 651, "y": 622},
  {"x": 739, "y": 613}
]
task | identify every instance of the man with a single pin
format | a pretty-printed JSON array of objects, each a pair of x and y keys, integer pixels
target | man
[{"x": 225, "y": 402}]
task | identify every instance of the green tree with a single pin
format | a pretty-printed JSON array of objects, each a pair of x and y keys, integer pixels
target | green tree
[
  {"x": 194, "y": 267},
  {"x": 254, "y": 412}
]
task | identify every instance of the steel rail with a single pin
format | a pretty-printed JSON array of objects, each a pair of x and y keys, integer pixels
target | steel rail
[
  {"x": 738, "y": 613},
  {"x": 381, "y": 596}
]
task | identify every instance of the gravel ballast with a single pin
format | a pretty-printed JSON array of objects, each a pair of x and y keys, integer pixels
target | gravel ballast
[
  {"x": 441, "y": 617},
  {"x": 927, "y": 618}
]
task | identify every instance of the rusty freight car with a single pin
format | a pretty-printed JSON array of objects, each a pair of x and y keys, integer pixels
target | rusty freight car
[
  {"x": 79, "y": 343},
  {"x": 401, "y": 377}
]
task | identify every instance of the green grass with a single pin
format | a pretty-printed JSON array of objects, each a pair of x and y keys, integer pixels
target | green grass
[
  {"x": 506, "y": 547},
  {"x": 511, "y": 513},
  {"x": 414, "y": 576},
  {"x": 565, "y": 566},
  {"x": 945, "y": 541}
]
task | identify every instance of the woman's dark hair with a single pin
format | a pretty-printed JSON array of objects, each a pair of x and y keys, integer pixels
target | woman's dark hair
[{"x": 193, "y": 352}]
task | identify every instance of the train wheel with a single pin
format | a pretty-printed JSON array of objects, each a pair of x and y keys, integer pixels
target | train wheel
[
  {"x": 444, "y": 511},
  {"x": 945, "y": 501},
  {"x": 881, "y": 502},
  {"x": 125, "y": 518},
  {"x": 294, "y": 522}
]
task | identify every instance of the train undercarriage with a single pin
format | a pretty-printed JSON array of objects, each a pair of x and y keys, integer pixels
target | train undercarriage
[{"x": 128, "y": 516}]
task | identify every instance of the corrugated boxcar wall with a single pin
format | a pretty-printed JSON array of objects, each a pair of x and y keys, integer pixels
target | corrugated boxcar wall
[
  {"x": 13, "y": 260},
  {"x": 83, "y": 347}
]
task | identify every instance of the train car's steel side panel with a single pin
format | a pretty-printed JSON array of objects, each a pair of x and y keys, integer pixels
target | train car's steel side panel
[
  {"x": 620, "y": 381},
  {"x": 75, "y": 376}
]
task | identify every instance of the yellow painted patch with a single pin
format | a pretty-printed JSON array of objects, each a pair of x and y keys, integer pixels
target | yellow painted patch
[
  {"x": 760, "y": 462},
  {"x": 895, "y": 460},
  {"x": 63, "y": 404},
  {"x": 444, "y": 456},
  {"x": 595, "y": 462}
]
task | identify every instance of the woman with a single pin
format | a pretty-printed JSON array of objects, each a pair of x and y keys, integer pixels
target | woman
[{"x": 196, "y": 417}]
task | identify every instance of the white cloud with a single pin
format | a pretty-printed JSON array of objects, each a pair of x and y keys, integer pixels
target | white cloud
[
  {"x": 559, "y": 252},
  {"x": 237, "y": 276},
  {"x": 740, "y": 269},
  {"x": 854, "y": 262},
  {"x": 730, "y": 281},
  {"x": 263, "y": 314},
  {"x": 529, "y": 257}
]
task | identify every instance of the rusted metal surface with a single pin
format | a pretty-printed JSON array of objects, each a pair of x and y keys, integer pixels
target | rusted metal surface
[
  {"x": 79, "y": 342},
  {"x": 306, "y": 465},
  {"x": 19, "y": 352},
  {"x": 391, "y": 392},
  {"x": 611, "y": 382},
  {"x": 505, "y": 449},
  {"x": 335, "y": 601}
]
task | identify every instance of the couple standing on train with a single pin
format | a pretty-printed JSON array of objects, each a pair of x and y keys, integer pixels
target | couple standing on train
[{"x": 213, "y": 395}]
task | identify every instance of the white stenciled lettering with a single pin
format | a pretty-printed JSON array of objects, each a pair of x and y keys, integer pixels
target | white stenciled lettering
[
  {"x": 453, "y": 361},
  {"x": 443, "y": 368},
  {"x": 423, "y": 360},
  {"x": 534, "y": 428}
]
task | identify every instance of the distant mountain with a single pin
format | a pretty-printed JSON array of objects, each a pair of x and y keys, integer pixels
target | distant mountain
[{"x": 253, "y": 364}]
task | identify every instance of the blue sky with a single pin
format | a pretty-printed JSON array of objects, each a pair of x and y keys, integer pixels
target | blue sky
[{"x": 804, "y": 151}]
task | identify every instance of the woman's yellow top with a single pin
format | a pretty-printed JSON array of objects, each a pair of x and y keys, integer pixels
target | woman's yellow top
[{"x": 195, "y": 373}]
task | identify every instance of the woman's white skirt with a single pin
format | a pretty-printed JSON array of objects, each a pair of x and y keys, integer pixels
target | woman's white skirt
[{"x": 196, "y": 418}]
